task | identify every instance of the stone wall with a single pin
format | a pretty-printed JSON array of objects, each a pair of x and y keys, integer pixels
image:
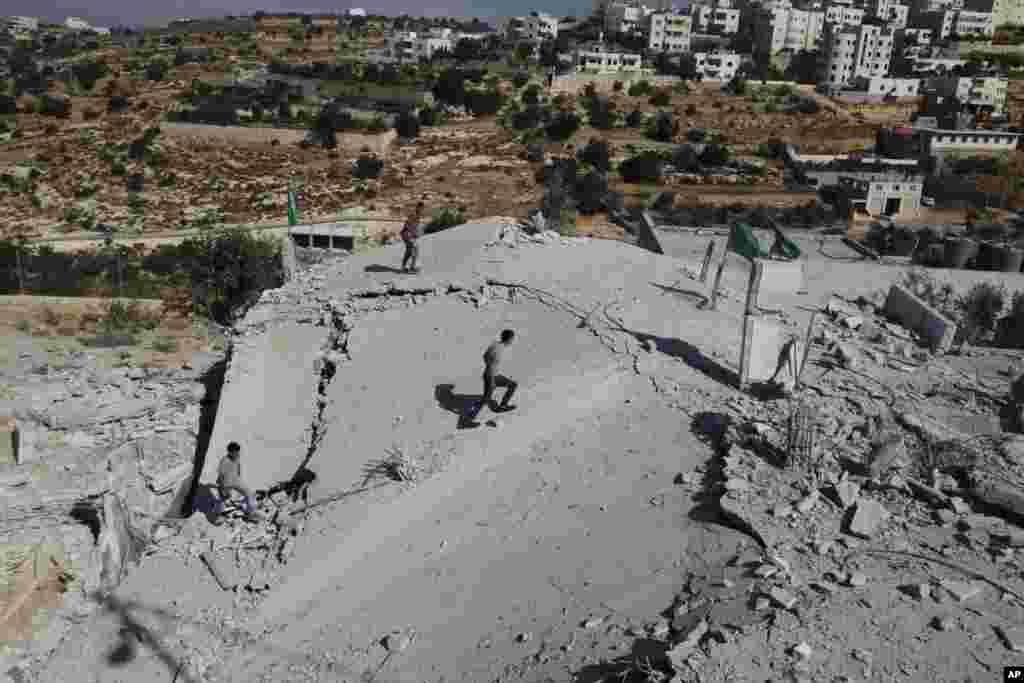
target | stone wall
[
  {"x": 575, "y": 83},
  {"x": 378, "y": 143}
]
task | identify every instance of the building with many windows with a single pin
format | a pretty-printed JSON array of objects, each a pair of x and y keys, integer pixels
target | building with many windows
[
  {"x": 843, "y": 13},
  {"x": 783, "y": 27},
  {"x": 669, "y": 32},
  {"x": 848, "y": 52},
  {"x": 536, "y": 27},
  {"x": 717, "y": 66},
  {"x": 597, "y": 60},
  {"x": 718, "y": 17},
  {"x": 972, "y": 23},
  {"x": 624, "y": 16},
  {"x": 987, "y": 92}
]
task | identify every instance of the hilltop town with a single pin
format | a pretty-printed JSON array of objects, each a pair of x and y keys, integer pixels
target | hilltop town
[{"x": 762, "y": 262}]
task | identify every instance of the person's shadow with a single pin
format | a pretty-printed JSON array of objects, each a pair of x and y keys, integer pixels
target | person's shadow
[
  {"x": 380, "y": 268},
  {"x": 460, "y": 404}
]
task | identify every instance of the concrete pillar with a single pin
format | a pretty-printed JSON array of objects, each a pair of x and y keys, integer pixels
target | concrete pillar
[{"x": 8, "y": 441}]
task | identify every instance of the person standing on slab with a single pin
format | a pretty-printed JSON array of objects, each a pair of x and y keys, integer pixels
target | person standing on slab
[
  {"x": 411, "y": 235},
  {"x": 494, "y": 379}
]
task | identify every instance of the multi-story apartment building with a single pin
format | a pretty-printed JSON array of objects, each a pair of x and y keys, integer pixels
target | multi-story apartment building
[
  {"x": 536, "y": 27},
  {"x": 20, "y": 24},
  {"x": 783, "y": 27},
  {"x": 843, "y": 13},
  {"x": 624, "y": 16},
  {"x": 848, "y": 52},
  {"x": 717, "y": 66},
  {"x": 717, "y": 17},
  {"x": 669, "y": 32},
  {"x": 982, "y": 91},
  {"x": 971, "y": 23},
  {"x": 894, "y": 13},
  {"x": 598, "y": 60},
  {"x": 940, "y": 22},
  {"x": 76, "y": 24}
]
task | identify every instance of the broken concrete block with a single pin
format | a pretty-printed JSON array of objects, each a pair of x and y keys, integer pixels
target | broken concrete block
[
  {"x": 736, "y": 484},
  {"x": 803, "y": 651},
  {"x": 849, "y": 356},
  {"x": 847, "y": 492},
  {"x": 857, "y": 580},
  {"x": 868, "y": 516},
  {"x": 773, "y": 279},
  {"x": 808, "y": 503},
  {"x": 945, "y": 623},
  {"x": 918, "y": 316},
  {"x": 592, "y": 622},
  {"x": 887, "y": 455},
  {"x": 918, "y": 591},
  {"x": 782, "y": 598},
  {"x": 963, "y": 590},
  {"x": 762, "y": 343},
  {"x": 1012, "y": 637}
]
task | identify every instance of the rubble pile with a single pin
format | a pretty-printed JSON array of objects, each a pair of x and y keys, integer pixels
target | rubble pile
[{"x": 900, "y": 504}]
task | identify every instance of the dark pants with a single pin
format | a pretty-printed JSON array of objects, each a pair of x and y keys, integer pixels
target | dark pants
[
  {"x": 491, "y": 382},
  {"x": 412, "y": 254}
]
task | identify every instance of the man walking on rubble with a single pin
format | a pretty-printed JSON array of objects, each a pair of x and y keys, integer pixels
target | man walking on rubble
[
  {"x": 229, "y": 478},
  {"x": 493, "y": 379},
  {"x": 410, "y": 235}
]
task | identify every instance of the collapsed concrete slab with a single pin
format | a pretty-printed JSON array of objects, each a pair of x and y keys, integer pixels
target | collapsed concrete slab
[
  {"x": 918, "y": 316},
  {"x": 267, "y": 403},
  {"x": 774, "y": 279}
]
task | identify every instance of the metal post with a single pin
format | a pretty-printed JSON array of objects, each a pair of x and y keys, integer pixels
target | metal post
[{"x": 706, "y": 265}]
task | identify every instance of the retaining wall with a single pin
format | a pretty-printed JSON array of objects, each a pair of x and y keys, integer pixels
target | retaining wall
[{"x": 379, "y": 143}]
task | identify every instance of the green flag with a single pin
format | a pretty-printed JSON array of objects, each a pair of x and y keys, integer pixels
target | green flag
[
  {"x": 743, "y": 242},
  {"x": 293, "y": 209}
]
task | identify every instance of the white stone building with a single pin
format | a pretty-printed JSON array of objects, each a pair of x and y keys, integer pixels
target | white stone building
[
  {"x": 884, "y": 86},
  {"x": 942, "y": 141},
  {"x": 973, "y": 23},
  {"x": 717, "y": 66},
  {"x": 716, "y": 17},
  {"x": 982, "y": 91},
  {"x": 536, "y": 27},
  {"x": 598, "y": 60},
  {"x": 624, "y": 16},
  {"x": 76, "y": 24},
  {"x": 669, "y": 32},
  {"x": 848, "y": 52},
  {"x": 786, "y": 28},
  {"x": 20, "y": 24},
  {"x": 843, "y": 13}
]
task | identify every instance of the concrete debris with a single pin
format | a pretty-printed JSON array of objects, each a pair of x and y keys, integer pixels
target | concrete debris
[
  {"x": 592, "y": 622},
  {"x": 868, "y": 516},
  {"x": 847, "y": 492},
  {"x": 857, "y": 580},
  {"x": 782, "y": 598},
  {"x": 888, "y": 455},
  {"x": 943, "y": 623},
  {"x": 397, "y": 641},
  {"x": 1012, "y": 637},
  {"x": 803, "y": 651},
  {"x": 919, "y": 591},
  {"x": 963, "y": 590}
]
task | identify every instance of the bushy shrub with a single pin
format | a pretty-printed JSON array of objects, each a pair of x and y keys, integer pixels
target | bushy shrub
[
  {"x": 428, "y": 116},
  {"x": 444, "y": 219},
  {"x": 52, "y": 105},
  {"x": 664, "y": 127},
  {"x": 535, "y": 152},
  {"x": 641, "y": 89},
  {"x": 715, "y": 154},
  {"x": 376, "y": 125},
  {"x": 589, "y": 191},
  {"x": 531, "y": 95},
  {"x": 8, "y": 105},
  {"x": 645, "y": 167},
  {"x": 635, "y": 118},
  {"x": 155, "y": 71},
  {"x": 520, "y": 79},
  {"x": 560, "y": 169},
  {"x": 597, "y": 154},
  {"x": 486, "y": 103},
  {"x": 527, "y": 118},
  {"x": 980, "y": 309},
  {"x": 602, "y": 113},
  {"x": 117, "y": 103},
  {"x": 661, "y": 98},
  {"x": 367, "y": 167},
  {"x": 407, "y": 125},
  {"x": 685, "y": 158},
  {"x": 562, "y": 126}
]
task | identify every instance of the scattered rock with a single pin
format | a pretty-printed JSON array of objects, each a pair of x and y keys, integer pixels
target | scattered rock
[
  {"x": 944, "y": 516},
  {"x": 962, "y": 590},
  {"x": 857, "y": 580},
  {"x": 1012, "y": 637},
  {"x": 735, "y": 484},
  {"x": 918, "y": 591},
  {"x": 396, "y": 641},
  {"x": 960, "y": 506},
  {"x": 868, "y": 516},
  {"x": 523, "y": 637},
  {"x": 849, "y": 356},
  {"x": 847, "y": 492},
  {"x": 782, "y": 598},
  {"x": 592, "y": 622},
  {"x": 803, "y": 651},
  {"x": 808, "y": 503},
  {"x": 943, "y": 623}
]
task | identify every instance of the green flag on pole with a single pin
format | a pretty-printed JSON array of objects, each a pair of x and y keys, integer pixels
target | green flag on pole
[
  {"x": 293, "y": 209},
  {"x": 743, "y": 242}
]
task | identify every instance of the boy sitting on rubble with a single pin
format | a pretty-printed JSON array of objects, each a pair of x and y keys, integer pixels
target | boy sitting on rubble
[{"x": 229, "y": 478}]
